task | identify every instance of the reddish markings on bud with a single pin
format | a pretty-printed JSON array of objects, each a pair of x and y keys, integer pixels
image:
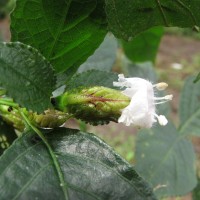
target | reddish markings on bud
[{"x": 93, "y": 104}]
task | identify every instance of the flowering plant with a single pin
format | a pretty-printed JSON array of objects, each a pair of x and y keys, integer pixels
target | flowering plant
[{"x": 57, "y": 66}]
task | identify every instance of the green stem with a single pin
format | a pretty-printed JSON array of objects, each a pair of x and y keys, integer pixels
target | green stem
[
  {"x": 53, "y": 156},
  {"x": 8, "y": 102}
]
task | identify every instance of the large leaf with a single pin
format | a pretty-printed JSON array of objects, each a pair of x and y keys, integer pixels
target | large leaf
[
  {"x": 91, "y": 169},
  {"x": 189, "y": 110},
  {"x": 166, "y": 160},
  {"x": 92, "y": 78},
  {"x": 26, "y": 75},
  {"x": 144, "y": 46},
  {"x": 104, "y": 57},
  {"x": 62, "y": 31},
  {"x": 7, "y": 136},
  {"x": 128, "y": 18}
]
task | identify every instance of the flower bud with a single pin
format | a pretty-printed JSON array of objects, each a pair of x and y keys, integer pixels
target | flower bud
[{"x": 96, "y": 105}]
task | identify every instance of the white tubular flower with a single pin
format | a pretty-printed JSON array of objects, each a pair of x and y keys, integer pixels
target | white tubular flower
[{"x": 141, "y": 111}]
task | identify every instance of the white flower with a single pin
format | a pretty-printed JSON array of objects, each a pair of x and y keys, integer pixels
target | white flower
[{"x": 141, "y": 111}]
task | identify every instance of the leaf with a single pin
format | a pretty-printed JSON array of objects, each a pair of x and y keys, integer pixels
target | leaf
[
  {"x": 7, "y": 136},
  {"x": 26, "y": 75},
  {"x": 61, "y": 30},
  {"x": 189, "y": 111},
  {"x": 104, "y": 57},
  {"x": 144, "y": 46},
  {"x": 127, "y": 19},
  {"x": 92, "y": 170},
  {"x": 196, "y": 191},
  {"x": 166, "y": 160},
  {"x": 143, "y": 70},
  {"x": 92, "y": 78},
  {"x": 197, "y": 78}
]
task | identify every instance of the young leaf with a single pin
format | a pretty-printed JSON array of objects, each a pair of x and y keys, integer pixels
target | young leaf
[
  {"x": 26, "y": 75},
  {"x": 144, "y": 46},
  {"x": 127, "y": 19},
  {"x": 62, "y": 31},
  {"x": 7, "y": 136},
  {"x": 189, "y": 111},
  {"x": 92, "y": 78},
  {"x": 91, "y": 169},
  {"x": 166, "y": 160}
]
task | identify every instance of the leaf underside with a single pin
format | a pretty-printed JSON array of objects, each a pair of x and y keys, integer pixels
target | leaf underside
[
  {"x": 189, "y": 111},
  {"x": 166, "y": 160}
]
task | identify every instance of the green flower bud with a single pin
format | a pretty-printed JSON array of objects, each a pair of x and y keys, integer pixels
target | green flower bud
[{"x": 95, "y": 105}]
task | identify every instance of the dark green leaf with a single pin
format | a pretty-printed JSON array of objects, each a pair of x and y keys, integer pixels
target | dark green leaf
[
  {"x": 166, "y": 160},
  {"x": 91, "y": 169},
  {"x": 7, "y": 136},
  {"x": 127, "y": 19},
  {"x": 197, "y": 78},
  {"x": 196, "y": 192},
  {"x": 104, "y": 57},
  {"x": 144, "y": 46},
  {"x": 26, "y": 75},
  {"x": 189, "y": 111},
  {"x": 92, "y": 78},
  {"x": 62, "y": 31}
]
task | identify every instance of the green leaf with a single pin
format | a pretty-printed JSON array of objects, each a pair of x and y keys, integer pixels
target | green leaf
[
  {"x": 196, "y": 191},
  {"x": 144, "y": 46},
  {"x": 62, "y": 31},
  {"x": 104, "y": 57},
  {"x": 197, "y": 78},
  {"x": 127, "y": 19},
  {"x": 91, "y": 169},
  {"x": 26, "y": 75},
  {"x": 143, "y": 70},
  {"x": 92, "y": 78},
  {"x": 7, "y": 136},
  {"x": 189, "y": 111},
  {"x": 166, "y": 160}
]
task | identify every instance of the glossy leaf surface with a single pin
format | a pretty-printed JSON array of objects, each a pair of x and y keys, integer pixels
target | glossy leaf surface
[{"x": 91, "y": 169}]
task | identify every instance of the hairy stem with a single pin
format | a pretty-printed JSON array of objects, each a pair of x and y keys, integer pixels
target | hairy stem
[{"x": 52, "y": 154}]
